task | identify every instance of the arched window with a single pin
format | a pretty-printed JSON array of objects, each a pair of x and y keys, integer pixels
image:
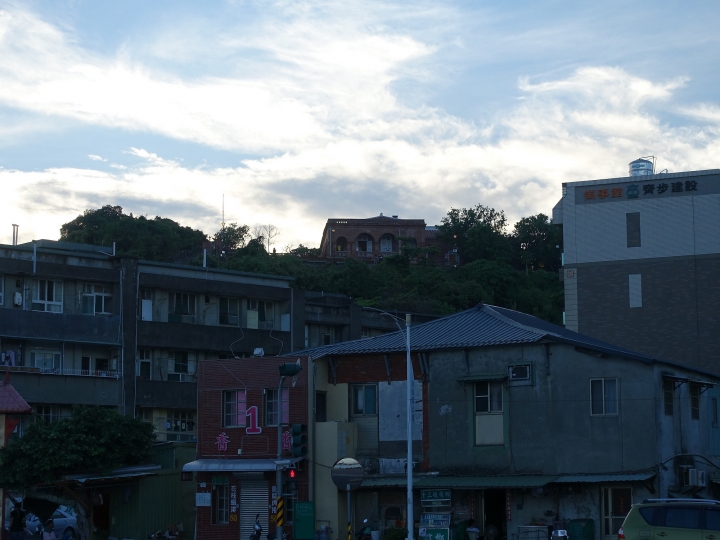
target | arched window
[
  {"x": 364, "y": 243},
  {"x": 386, "y": 243},
  {"x": 341, "y": 244}
]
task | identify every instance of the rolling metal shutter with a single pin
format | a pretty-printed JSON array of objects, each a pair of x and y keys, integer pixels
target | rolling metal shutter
[{"x": 253, "y": 500}]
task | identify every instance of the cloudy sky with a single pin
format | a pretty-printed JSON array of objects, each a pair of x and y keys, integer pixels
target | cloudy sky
[{"x": 298, "y": 111}]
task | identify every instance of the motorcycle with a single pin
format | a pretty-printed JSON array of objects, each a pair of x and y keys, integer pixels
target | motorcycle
[
  {"x": 257, "y": 528},
  {"x": 364, "y": 533}
]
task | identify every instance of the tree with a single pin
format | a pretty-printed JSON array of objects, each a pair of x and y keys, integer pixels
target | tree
[
  {"x": 232, "y": 236},
  {"x": 478, "y": 233},
  {"x": 267, "y": 232},
  {"x": 92, "y": 440},
  {"x": 537, "y": 243},
  {"x": 158, "y": 239}
]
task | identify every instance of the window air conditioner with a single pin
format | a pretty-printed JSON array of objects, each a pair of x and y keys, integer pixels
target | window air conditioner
[{"x": 519, "y": 373}]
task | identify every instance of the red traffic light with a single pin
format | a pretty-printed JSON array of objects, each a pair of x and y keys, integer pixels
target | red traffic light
[{"x": 291, "y": 473}]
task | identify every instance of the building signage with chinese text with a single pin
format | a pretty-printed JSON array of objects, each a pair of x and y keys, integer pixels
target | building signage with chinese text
[
  {"x": 435, "y": 520},
  {"x": 203, "y": 499},
  {"x": 647, "y": 190},
  {"x": 435, "y": 497}
]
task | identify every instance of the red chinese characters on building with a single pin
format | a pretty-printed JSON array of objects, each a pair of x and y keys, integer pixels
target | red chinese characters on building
[
  {"x": 616, "y": 192},
  {"x": 589, "y": 194},
  {"x": 602, "y": 193},
  {"x": 222, "y": 441}
]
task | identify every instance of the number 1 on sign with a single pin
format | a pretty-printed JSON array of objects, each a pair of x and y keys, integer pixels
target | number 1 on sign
[{"x": 253, "y": 428}]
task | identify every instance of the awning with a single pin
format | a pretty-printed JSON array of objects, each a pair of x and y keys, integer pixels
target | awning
[
  {"x": 119, "y": 474},
  {"x": 462, "y": 482},
  {"x": 237, "y": 465},
  {"x": 603, "y": 478}
]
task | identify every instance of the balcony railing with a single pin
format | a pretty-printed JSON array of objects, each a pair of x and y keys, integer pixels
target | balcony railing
[{"x": 113, "y": 374}]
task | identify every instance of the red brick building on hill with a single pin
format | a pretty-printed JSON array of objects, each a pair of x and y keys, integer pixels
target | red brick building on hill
[{"x": 370, "y": 239}]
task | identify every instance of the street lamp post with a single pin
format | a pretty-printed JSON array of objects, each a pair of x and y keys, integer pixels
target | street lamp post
[{"x": 410, "y": 407}]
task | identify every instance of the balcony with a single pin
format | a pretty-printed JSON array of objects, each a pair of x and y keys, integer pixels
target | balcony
[
  {"x": 21, "y": 324},
  {"x": 112, "y": 374},
  {"x": 175, "y": 429}
]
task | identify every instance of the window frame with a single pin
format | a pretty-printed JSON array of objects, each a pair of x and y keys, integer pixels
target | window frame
[
  {"x": 100, "y": 298},
  {"x": 40, "y": 295},
  {"x": 188, "y": 306},
  {"x": 489, "y": 397},
  {"x": 236, "y": 413},
  {"x": 607, "y": 515},
  {"x": 228, "y": 300},
  {"x": 56, "y": 360},
  {"x": 48, "y": 413},
  {"x": 145, "y": 357},
  {"x": 220, "y": 504},
  {"x": 695, "y": 393},
  {"x": 668, "y": 390},
  {"x": 353, "y": 394},
  {"x": 268, "y": 399},
  {"x": 604, "y": 396}
]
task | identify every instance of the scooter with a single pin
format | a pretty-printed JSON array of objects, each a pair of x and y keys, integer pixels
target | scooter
[
  {"x": 364, "y": 533},
  {"x": 257, "y": 529}
]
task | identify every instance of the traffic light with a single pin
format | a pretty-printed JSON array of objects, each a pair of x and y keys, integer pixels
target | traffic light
[
  {"x": 299, "y": 440},
  {"x": 290, "y": 481},
  {"x": 289, "y": 370}
]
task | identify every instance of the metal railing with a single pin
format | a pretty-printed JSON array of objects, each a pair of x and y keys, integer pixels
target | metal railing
[{"x": 110, "y": 373}]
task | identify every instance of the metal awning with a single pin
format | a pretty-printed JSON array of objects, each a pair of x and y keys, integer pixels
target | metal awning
[
  {"x": 599, "y": 478},
  {"x": 462, "y": 482},
  {"x": 237, "y": 465},
  {"x": 119, "y": 474}
]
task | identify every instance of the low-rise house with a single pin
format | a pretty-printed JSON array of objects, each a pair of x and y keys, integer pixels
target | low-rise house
[{"x": 517, "y": 423}]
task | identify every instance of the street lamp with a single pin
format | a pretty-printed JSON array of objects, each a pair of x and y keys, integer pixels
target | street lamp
[{"x": 410, "y": 405}]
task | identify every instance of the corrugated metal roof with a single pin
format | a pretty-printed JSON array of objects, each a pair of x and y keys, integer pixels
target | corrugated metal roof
[
  {"x": 232, "y": 464},
  {"x": 598, "y": 478},
  {"x": 462, "y": 482}
]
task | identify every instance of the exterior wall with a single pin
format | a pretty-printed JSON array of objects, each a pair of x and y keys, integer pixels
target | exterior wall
[
  {"x": 253, "y": 375},
  {"x": 350, "y": 229},
  {"x": 678, "y": 260}
]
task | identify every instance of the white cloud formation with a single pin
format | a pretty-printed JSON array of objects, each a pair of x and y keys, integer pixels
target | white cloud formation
[
  {"x": 95, "y": 157},
  {"x": 327, "y": 135}
]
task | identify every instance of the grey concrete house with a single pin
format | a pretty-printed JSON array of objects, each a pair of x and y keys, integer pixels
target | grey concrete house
[
  {"x": 518, "y": 424},
  {"x": 642, "y": 263}
]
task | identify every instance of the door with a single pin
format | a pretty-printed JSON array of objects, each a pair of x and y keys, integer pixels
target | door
[
  {"x": 681, "y": 523},
  {"x": 712, "y": 524},
  {"x": 616, "y": 503}
]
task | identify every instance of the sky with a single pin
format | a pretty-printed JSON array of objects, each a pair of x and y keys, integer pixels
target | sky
[{"x": 297, "y": 111}]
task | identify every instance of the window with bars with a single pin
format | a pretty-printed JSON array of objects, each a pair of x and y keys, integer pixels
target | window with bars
[
  {"x": 271, "y": 406},
  {"x": 603, "y": 397},
  {"x": 695, "y": 401},
  {"x": 668, "y": 396},
  {"x": 48, "y": 296},
  {"x": 235, "y": 407}
]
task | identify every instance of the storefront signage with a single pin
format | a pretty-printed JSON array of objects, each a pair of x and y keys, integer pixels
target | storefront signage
[
  {"x": 435, "y": 497},
  {"x": 253, "y": 428},
  {"x": 434, "y": 534},
  {"x": 672, "y": 187},
  {"x": 508, "y": 505},
  {"x": 435, "y": 520},
  {"x": 203, "y": 499},
  {"x": 233, "y": 504},
  {"x": 222, "y": 441}
]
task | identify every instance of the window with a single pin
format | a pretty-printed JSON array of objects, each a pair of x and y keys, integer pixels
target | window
[
  {"x": 102, "y": 365},
  {"x": 695, "y": 401},
  {"x": 320, "y": 407},
  {"x": 668, "y": 396},
  {"x": 182, "y": 308},
  {"x": 181, "y": 420},
  {"x": 603, "y": 397},
  {"x": 48, "y": 362},
  {"x": 364, "y": 243},
  {"x": 85, "y": 365},
  {"x": 47, "y": 413},
  {"x": 364, "y": 398},
  {"x": 489, "y": 421},
  {"x": 635, "y": 290},
  {"x": 682, "y": 518},
  {"x": 180, "y": 362},
  {"x": 229, "y": 309},
  {"x": 234, "y": 408},
  {"x": 712, "y": 519},
  {"x": 632, "y": 222},
  {"x": 616, "y": 504},
  {"x": 48, "y": 296},
  {"x": 260, "y": 315},
  {"x": 145, "y": 364},
  {"x": 145, "y": 305},
  {"x": 220, "y": 500},
  {"x": 386, "y": 243},
  {"x": 271, "y": 406},
  {"x": 97, "y": 299}
]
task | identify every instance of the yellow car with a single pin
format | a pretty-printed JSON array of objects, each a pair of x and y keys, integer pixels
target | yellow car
[{"x": 672, "y": 519}]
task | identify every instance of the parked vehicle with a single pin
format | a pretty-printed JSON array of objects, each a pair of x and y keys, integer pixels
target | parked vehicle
[
  {"x": 672, "y": 519},
  {"x": 257, "y": 529},
  {"x": 64, "y": 521}
]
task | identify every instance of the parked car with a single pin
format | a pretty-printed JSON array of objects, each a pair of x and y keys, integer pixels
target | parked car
[
  {"x": 64, "y": 520},
  {"x": 672, "y": 519}
]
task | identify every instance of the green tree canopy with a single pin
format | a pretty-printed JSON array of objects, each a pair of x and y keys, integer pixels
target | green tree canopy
[
  {"x": 157, "y": 239},
  {"x": 537, "y": 243}
]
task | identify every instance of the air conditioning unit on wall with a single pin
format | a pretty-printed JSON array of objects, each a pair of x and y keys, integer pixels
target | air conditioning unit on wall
[{"x": 695, "y": 478}]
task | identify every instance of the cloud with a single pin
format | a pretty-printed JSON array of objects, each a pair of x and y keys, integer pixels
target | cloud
[{"x": 95, "y": 157}]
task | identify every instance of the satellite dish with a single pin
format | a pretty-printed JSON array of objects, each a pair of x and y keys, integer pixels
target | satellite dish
[{"x": 294, "y": 379}]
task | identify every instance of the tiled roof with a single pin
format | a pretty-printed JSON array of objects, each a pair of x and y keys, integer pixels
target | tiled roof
[
  {"x": 11, "y": 401},
  {"x": 480, "y": 326}
]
